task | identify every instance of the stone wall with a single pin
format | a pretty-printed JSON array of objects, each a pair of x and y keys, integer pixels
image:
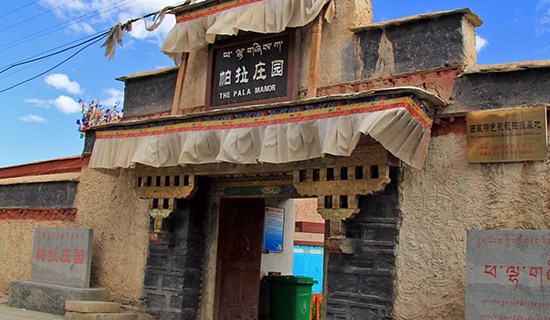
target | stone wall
[
  {"x": 54, "y": 194},
  {"x": 501, "y": 86},
  {"x": 172, "y": 287},
  {"x": 408, "y": 45},
  {"x": 440, "y": 203},
  {"x": 149, "y": 92},
  {"x": 106, "y": 204},
  {"x": 361, "y": 285}
]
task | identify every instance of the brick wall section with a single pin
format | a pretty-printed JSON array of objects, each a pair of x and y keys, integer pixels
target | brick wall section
[
  {"x": 360, "y": 285},
  {"x": 172, "y": 282}
]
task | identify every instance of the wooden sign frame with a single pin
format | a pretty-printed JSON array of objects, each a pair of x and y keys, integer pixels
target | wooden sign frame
[{"x": 234, "y": 42}]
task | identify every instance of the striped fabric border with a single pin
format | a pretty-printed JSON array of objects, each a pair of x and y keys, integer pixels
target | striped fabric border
[
  {"x": 318, "y": 111},
  {"x": 211, "y": 8}
]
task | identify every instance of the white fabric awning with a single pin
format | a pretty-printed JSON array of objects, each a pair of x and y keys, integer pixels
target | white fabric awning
[
  {"x": 277, "y": 135},
  {"x": 199, "y": 26}
]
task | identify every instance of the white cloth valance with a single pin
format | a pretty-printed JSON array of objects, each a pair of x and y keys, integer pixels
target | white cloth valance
[
  {"x": 401, "y": 124},
  {"x": 196, "y": 29}
]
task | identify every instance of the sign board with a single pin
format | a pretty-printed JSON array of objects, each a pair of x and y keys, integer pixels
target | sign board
[
  {"x": 252, "y": 70},
  {"x": 274, "y": 224},
  {"x": 62, "y": 256},
  {"x": 507, "y": 135},
  {"x": 508, "y": 274}
]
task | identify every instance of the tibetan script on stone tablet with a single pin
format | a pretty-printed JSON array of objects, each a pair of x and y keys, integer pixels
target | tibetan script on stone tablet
[{"x": 508, "y": 274}]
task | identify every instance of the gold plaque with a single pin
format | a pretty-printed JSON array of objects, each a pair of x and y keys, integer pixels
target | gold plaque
[{"x": 507, "y": 135}]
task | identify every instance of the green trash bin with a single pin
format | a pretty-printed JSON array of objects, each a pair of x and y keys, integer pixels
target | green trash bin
[{"x": 290, "y": 297}]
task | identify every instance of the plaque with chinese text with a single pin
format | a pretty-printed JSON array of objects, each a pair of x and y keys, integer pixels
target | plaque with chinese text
[
  {"x": 274, "y": 224},
  {"x": 507, "y": 135},
  {"x": 508, "y": 274},
  {"x": 252, "y": 70},
  {"x": 62, "y": 256}
]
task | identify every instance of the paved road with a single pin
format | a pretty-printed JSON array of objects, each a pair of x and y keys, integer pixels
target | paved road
[{"x": 8, "y": 313}]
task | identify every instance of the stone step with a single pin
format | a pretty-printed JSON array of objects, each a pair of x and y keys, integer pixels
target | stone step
[
  {"x": 92, "y": 306},
  {"x": 100, "y": 316}
]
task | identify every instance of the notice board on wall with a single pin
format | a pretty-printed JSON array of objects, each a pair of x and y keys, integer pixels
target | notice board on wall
[
  {"x": 507, "y": 135},
  {"x": 508, "y": 274},
  {"x": 274, "y": 224}
]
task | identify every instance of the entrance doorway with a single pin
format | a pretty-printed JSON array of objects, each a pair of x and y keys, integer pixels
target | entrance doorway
[
  {"x": 245, "y": 254},
  {"x": 239, "y": 258}
]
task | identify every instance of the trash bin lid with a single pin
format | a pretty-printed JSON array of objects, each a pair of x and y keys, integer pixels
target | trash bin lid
[{"x": 291, "y": 279}]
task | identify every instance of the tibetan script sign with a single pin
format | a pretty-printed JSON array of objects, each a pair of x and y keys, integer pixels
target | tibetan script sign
[
  {"x": 507, "y": 135},
  {"x": 62, "y": 256},
  {"x": 508, "y": 274},
  {"x": 252, "y": 70},
  {"x": 274, "y": 224}
]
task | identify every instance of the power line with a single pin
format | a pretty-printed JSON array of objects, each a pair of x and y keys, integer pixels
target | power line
[
  {"x": 94, "y": 40},
  {"x": 57, "y": 27},
  {"x": 17, "y": 9},
  {"x": 36, "y": 16},
  {"x": 50, "y": 69},
  {"x": 54, "y": 53},
  {"x": 58, "y": 47}
]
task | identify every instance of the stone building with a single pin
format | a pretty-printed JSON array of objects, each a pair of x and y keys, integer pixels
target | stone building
[{"x": 369, "y": 118}]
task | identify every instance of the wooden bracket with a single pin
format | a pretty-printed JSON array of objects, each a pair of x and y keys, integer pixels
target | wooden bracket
[
  {"x": 337, "y": 189},
  {"x": 159, "y": 210}
]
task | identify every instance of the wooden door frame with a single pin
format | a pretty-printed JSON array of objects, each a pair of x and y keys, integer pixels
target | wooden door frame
[{"x": 208, "y": 306}]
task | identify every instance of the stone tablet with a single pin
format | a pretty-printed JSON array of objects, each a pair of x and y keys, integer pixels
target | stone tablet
[
  {"x": 62, "y": 256},
  {"x": 508, "y": 274}
]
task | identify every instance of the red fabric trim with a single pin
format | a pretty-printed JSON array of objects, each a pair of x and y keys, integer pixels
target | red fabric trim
[{"x": 39, "y": 214}]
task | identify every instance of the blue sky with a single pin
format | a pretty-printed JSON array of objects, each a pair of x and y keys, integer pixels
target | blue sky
[{"x": 38, "y": 118}]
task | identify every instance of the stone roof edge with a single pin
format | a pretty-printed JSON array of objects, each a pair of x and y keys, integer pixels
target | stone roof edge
[
  {"x": 147, "y": 73},
  {"x": 41, "y": 178},
  {"x": 506, "y": 67},
  {"x": 472, "y": 17}
]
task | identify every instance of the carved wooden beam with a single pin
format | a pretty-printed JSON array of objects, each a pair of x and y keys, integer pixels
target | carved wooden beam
[
  {"x": 337, "y": 189},
  {"x": 159, "y": 184}
]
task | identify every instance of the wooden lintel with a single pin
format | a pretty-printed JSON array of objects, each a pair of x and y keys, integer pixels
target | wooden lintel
[
  {"x": 179, "y": 83},
  {"x": 165, "y": 192},
  {"x": 315, "y": 56}
]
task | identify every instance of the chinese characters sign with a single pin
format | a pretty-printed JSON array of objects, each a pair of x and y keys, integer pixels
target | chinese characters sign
[
  {"x": 507, "y": 135},
  {"x": 250, "y": 71},
  {"x": 274, "y": 229},
  {"x": 62, "y": 256},
  {"x": 508, "y": 274}
]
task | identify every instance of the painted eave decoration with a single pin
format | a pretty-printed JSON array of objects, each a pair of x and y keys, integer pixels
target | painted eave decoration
[{"x": 400, "y": 119}]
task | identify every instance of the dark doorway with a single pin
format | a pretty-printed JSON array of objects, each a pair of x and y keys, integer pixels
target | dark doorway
[{"x": 239, "y": 258}]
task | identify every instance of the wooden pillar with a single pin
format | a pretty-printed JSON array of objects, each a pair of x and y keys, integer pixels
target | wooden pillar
[
  {"x": 179, "y": 83},
  {"x": 315, "y": 56}
]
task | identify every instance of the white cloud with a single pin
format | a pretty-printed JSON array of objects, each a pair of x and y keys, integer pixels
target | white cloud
[
  {"x": 82, "y": 27},
  {"x": 113, "y": 95},
  {"x": 38, "y": 103},
  {"x": 106, "y": 13},
  {"x": 481, "y": 43},
  {"x": 61, "y": 81},
  {"x": 33, "y": 118},
  {"x": 66, "y": 104},
  {"x": 543, "y": 17}
]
